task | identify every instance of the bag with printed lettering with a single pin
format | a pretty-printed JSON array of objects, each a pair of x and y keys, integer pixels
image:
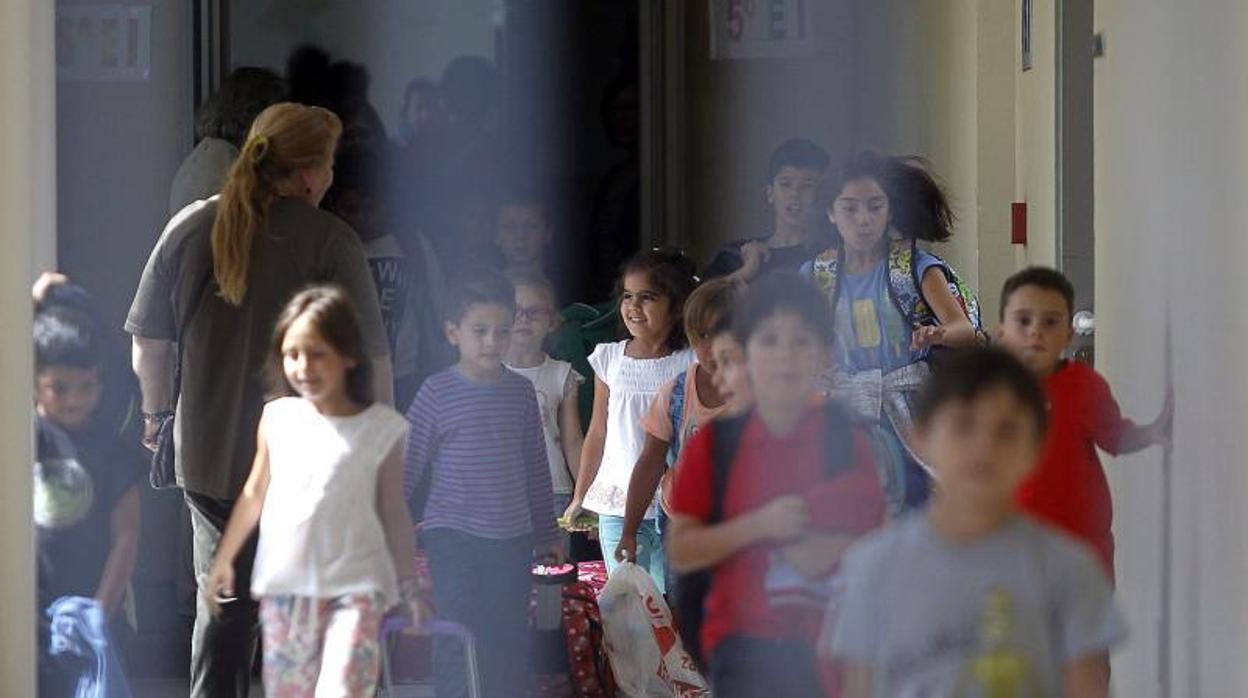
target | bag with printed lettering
[{"x": 647, "y": 656}]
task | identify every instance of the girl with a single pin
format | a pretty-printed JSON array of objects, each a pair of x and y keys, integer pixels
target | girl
[
  {"x": 325, "y": 569},
  {"x": 627, "y": 377},
  {"x": 892, "y": 302}
]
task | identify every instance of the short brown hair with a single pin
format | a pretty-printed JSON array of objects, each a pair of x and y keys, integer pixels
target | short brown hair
[
  {"x": 332, "y": 314},
  {"x": 708, "y": 305},
  {"x": 1042, "y": 278}
]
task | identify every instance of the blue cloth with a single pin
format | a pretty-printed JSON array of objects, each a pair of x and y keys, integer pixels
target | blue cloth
[
  {"x": 79, "y": 630},
  {"x": 870, "y": 332},
  {"x": 650, "y": 555}
]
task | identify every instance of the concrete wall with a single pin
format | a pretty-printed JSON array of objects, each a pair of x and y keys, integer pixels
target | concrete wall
[
  {"x": 739, "y": 110},
  {"x": 118, "y": 145},
  {"x": 1171, "y": 169},
  {"x": 396, "y": 39}
]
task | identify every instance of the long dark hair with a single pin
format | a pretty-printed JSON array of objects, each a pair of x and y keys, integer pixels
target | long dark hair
[
  {"x": 919, "y": 205},
  {"x": 673, "y": 275},
  {"x": 330, "y": 311}
]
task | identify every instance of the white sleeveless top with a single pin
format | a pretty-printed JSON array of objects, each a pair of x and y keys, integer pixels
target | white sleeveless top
[
  {"x": 549, "y": 380},
  {"x": 320, "y": 532},
  {"x": 634, "y": 383}
]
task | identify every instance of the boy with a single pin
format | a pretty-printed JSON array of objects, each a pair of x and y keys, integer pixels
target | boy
[
  {"x": 968, "y": 597},
  {"x": 1068, "y": 488},
  {"x": 769, "y": 500},
  {"x": 524, "y": 236},
  {"x": 731, "y": 379},
  {"x": 555, "y": 382},
  {"x": 681, "y": 406},
  {"x": 793, "y": 176},
  {"x": 86, "y": 485},
  {"x": 477, "y": 450},
  {"x": 408, "y": 277}
]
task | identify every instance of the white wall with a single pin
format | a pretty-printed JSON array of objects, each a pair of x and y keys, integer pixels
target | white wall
[
  {"x": 397, "y": 40},
  {"x": 25, "y": 62},
  {"x": 1171, "y": 169}
]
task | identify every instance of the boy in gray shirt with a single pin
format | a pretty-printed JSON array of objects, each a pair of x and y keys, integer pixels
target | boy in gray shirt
[{"x": 969, "y": 598}]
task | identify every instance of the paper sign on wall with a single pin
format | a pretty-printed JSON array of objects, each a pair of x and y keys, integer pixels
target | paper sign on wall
[
  {"x": 110, "y": 43},
  {"x": 761, "y": 28}
]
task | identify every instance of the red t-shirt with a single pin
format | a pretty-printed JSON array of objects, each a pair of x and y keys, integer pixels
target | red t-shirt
[
  {"x": 1068, "y": 488},
  {"x": 766, "y": 467}
]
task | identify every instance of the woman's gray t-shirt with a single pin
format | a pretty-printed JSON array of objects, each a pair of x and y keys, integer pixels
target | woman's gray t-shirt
[
  {"x": 933, "y": 618},
  {"x": 226, "y": 347}
]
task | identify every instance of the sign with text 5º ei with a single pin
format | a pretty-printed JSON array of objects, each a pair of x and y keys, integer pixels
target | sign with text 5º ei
[{"x": 761, "y": 29}]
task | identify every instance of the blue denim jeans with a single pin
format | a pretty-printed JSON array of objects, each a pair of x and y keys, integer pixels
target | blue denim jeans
[{"x": 649, "y": 547}]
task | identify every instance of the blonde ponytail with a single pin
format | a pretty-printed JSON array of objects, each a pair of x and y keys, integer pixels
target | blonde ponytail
[{"x": 284, "y": 139}]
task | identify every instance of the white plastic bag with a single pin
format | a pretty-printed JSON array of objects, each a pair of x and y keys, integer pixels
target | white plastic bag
[{"x": 646, "y": 654}]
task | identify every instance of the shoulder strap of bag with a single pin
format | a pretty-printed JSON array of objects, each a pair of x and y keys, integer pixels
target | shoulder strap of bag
[
  {"x": 676, "y": 415},
  {"x": 725, "y": 441}
]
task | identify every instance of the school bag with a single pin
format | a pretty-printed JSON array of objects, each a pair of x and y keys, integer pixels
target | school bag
[
  {"x": 905, "y": 288},
  {"x": 676, "y": 415},
  {"x": 692, "y": 589},
  {"x": 581, "y": 329}
]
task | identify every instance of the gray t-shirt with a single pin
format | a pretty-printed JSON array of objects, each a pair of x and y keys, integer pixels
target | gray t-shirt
[
  {"x": 933, "y": 618},
  {"x": 226, "y": 347}
]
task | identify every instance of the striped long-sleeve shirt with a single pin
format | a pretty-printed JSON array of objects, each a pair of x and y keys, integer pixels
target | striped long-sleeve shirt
[{"x": 483, "y": 446}]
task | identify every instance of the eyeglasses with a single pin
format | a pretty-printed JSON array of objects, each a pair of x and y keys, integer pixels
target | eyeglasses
[{"x": 533, "y": 313}]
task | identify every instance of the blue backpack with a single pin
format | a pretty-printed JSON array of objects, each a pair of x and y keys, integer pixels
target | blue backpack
[{"x": 676, "y": 414}]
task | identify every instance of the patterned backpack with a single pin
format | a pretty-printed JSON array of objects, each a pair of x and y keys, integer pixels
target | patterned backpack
[{"x": 904, "y": 285}]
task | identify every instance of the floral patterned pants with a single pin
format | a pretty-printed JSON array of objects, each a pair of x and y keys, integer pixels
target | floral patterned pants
[{"x": 321, "y": 647}]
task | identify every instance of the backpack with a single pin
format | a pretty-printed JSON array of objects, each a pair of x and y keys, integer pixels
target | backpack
[
  {"x": 676, "y": 414},
  {"x": 581, "y": 329},
  {"x": 905, "y": 288},
  {"x": 693, "y": 588}
]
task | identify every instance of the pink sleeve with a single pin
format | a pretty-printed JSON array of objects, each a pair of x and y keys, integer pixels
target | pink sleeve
[{"x": 656, "y": 422}]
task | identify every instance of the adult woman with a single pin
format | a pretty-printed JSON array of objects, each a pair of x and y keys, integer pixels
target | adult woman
[
  {"x": 216, "y": 282},
  {"x": 892, "y": 302}
]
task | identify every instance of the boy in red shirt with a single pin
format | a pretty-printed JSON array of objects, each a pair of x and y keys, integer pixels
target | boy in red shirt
[
  {"x": 1068, "y": 488},
  {"x": 788, "y": 509}
]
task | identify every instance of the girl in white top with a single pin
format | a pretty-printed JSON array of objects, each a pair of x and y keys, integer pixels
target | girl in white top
[
  {"x": 627, "y": 377},
  {"x": 327, "y": 568}
]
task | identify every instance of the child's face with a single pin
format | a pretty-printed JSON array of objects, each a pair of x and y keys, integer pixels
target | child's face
[
  {"x": 1036, "y": 328},
  {"x": 647, "y": 313},
  {"x": 482, "y": 336},
  {"x": 861, "y": 214},
  {"x": 981, "y": 449},
  {"x": 313, "y": 367},
  {"x": 535, "y": 316},
  {"x": 731, "y": 378},
  {"x": 703, "y": 348},
  {"x": 67, "y": 395},
  {"x": 784, "y": 357},
  {"x": 523, "y": 235},
  {"x": 792, "y": 194}
]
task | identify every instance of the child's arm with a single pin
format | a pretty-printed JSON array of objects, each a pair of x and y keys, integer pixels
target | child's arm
[
  {"x": 816, "y": 554},
  {"x": 571, "y": 439},
  {"x": 243, "y": 522},
  {"x": 122, "y": 553},
  {"x": 396, "y": 521},
  {"x": 955, "y": 329},
  {"x": 857, "y": 683},
  {"x": 591, "y": 451},
  {"x": 1087, "y": 677},
  {"x": 1136, "y": 438},
  {"x": 694, "y": 545},
  {"x": 647, "y": 474}
]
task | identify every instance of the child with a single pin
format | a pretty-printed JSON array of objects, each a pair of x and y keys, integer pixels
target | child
[
  {"x": 555, "y": 381},
  {"x": 627, "y": 376},
  {"x": 408, "y": 276},
  {"x": 892, "y": 302},
  {"x": 793, "y": 176},
  {"x": 731, "y": 378},
  {"x": 336, "y": 546},
  {"x": 477, "y": 442},
  {"x": 1067, "y": 488},
  {"x": 524, "y": 235},
  {"x": 767, "y": 501},
  {"x": 690, "y": 400},
  {"x": 969, "y": 597},
  {"x": 86, "y": 492}
]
